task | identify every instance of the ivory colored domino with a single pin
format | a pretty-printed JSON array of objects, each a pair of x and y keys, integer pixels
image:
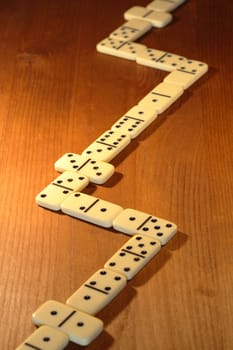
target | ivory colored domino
[
  {"x": 119, "y": 48},
  {"x": 98, "y": 291},
  {"x": 159, "y": 59},
  {"x": 55, "y": 193},
  {"x": 107, "y": 146},
  {"x": 162, "y": 96},
  {"x": 98, "y": 172},
  {"x": 131, "y": 221},
  {"x": 157, "y": 19},
  {"x": 133, "y": 255},
  {"x": 131, "y": 30},
  {"x": 80, "y": 327},
  {"x": 187, "y": 74},
  {"x": 91, "y": 209},
  {"x": 164, "y": 5},
  {"x": 135, "y": 120},
  {"x": 45, "y": 338}
]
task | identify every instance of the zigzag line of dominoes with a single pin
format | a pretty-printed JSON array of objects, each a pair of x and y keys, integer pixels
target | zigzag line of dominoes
[{"x": 75, "y": 321}]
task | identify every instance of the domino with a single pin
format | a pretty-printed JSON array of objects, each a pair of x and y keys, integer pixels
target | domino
[
  {"x": 91, "y": 209},
  {"x": 107, "y": 146},
  {"x": 162, "y": 96},
  {"x": 45, "y": 338},
  {"x": 164, "y": 5},
  {"x": 119, "y": 48},
  {"x": 131, "y": 221},
  {"x": 98, "y": 291},
  {"x": 131, "y": 30},
  {"x": 187, "y": 74},
  {"x": 98, "y": 172},
  {"x": 55, "y": 193},
  {"x": 157, "y": 19},
  {"x": 159, "y": 59},
  {"x": 80, "y": 327},
  {"x": 135, "y": 120},
  {"x": 134, "y": 255}
]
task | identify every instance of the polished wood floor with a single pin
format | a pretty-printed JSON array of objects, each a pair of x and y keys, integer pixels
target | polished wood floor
[{"x": 57, "y": 95}]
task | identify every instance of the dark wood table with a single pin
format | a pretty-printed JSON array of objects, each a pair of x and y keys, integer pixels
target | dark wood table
[{"x": 57, "y": 95}]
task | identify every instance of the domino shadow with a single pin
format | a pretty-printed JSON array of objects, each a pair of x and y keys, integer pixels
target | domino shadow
[
  {"x": 149, "y": 131},
  {"x": 125, "y": 152},
  {"x": 205, "y": 78},
  {"x": 103, "y": 341},
  {"x": 117, "y": 305},
  {"x": 161, "y": 119},
  {"x": 156, "y": 264},
  {"x": 177, "y": 241}
]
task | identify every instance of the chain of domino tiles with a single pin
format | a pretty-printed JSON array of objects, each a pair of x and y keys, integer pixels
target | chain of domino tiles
[{"x": 138, "y": 250}]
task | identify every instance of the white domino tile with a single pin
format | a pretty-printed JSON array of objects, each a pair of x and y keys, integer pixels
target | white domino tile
[
  {"x": 164, "y": 5},
  {"x": 162, "y": 96},
  {"x": 107, "y": 146},
  {"x": 119, "y": 48},
  {"x": 98, "y": 172},
  {"x": 135, "y": 120},
  {"x": 57, "y": 191},
  {"x": 133, "y": 255},
  {"x": 131, "y": 221},
  {"x": 45, "y": 338},
  {"x": 131, "y": 30},
  {"x": 159, "y": 59},
  {"x": 80, "y": 327},
  {"x": 187, "y": 74},
  {"x": 98, "y": 291},
  {"x": 91, "y": 209},
  {"x": 156, "y": 18}
]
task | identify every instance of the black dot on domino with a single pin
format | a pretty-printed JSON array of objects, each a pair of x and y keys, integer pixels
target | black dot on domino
[
  {"x": 138, "y": 238},
  {"x": 117, "y": 278},
  {"x": 53, "y": 312},
  {"x": 46, "y": 339},
  {"x": 80, "y": 324},
  {"x": 160, "y": 234}
]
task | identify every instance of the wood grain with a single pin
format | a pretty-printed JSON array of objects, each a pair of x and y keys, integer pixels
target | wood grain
[{"x": 57, "y": 94}]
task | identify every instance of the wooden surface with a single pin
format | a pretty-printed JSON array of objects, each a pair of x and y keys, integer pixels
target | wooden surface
[{"x": 57, "y": 94}]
